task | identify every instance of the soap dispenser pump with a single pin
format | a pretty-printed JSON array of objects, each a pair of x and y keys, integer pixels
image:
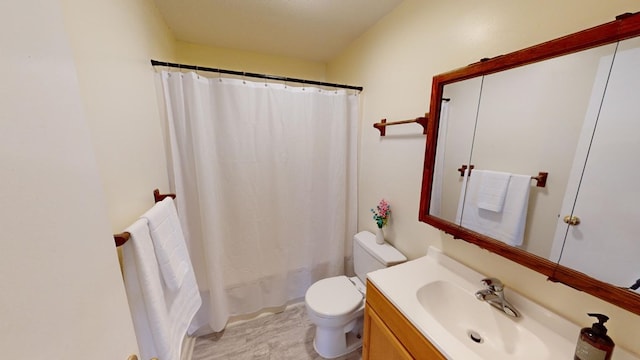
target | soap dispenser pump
[{"x": 593, "y": 342}]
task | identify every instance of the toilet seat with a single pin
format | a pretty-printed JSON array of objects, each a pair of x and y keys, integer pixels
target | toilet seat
[{"x": 333, "y": 297}]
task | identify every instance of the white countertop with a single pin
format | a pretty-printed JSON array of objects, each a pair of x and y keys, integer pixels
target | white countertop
[{"x": 400, "y": 284}]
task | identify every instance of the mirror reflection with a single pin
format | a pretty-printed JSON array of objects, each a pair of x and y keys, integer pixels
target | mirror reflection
[
  {"x": 455, "y": 139},
  {"x": 522, "y": 121},
  {"x": 604, "y": 244},
  {"x": 573, "y": 117}
]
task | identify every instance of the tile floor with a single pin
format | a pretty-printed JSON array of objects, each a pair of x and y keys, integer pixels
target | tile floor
[{"x": 284, "y": 336}]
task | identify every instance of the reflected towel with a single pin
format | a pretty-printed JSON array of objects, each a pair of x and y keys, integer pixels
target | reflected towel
[
  {"x": 509, "y": 224},
  {"x": 160, "y": 317},
  {"x": 492, "y": 189}
]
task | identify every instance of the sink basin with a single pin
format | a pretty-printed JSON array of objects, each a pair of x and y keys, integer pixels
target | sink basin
[
  {"x": 489, "y": 332},
  {"x": 437, "y": 295}
]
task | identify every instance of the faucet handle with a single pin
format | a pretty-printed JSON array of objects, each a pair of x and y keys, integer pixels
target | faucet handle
[{"x": 493, "y": 284}]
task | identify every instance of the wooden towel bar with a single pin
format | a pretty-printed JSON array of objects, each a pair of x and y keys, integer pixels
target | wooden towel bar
[
  {"x": 122, "y": 238},
  {"x": 423, "y": 120},
  {"x": 541, "y": 179}
]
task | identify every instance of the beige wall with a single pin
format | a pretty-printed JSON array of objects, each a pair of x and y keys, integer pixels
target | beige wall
[
  {"x": 113, "y": 42},
  {"x": 62, "y": 292},
  {"x": 395, "y": 61},
  {"x": 228, "y": 59}
]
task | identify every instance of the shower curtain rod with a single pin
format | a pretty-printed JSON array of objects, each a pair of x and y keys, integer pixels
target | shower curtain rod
[{"x": 254, "y": 75}]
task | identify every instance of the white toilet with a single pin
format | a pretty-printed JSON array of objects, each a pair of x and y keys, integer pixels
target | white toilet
[{"x": 336, "y": 305}]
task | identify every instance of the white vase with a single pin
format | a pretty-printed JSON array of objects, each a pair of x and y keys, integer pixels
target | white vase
[{"x": 379, "y": 236}]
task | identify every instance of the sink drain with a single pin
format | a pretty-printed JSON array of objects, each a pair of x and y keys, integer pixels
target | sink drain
[{"x": 475, "y": 337}]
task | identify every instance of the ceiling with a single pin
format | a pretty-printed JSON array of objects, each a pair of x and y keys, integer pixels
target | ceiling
[{"x": 316, "y": 30}]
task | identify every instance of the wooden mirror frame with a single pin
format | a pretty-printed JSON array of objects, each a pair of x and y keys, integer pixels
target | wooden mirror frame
[{"x": 624, "y": 27}]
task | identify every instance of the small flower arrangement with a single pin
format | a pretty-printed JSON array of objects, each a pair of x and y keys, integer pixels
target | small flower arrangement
[{"x": 382, "y": 213}]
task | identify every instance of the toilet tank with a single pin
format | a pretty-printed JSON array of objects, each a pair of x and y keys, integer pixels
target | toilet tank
[{"x": 369, "y": 256}]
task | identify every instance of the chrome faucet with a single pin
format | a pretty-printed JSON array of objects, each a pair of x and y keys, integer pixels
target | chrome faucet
[{"x": 494, "y": 295}]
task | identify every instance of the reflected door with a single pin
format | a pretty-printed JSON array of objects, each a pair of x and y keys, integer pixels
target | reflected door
[{"x": 605, "y": 243}]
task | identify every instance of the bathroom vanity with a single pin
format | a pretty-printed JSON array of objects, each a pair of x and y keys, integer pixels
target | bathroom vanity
[
  {"x": 427, "y": 309},
  {"x": 389, "y": 335}
]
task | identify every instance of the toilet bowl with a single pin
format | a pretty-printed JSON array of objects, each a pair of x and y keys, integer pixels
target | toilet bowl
[{"x": 335, "y": 305}]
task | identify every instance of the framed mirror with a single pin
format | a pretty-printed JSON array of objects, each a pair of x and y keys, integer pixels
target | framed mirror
[{"x": 565, "y": 111}]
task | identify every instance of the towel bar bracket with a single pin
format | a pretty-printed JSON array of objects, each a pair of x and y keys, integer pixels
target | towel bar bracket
[
  {"x": 157, "y": 197},
  {"x": 541, "y": 179},
  {"x": 121, "y": 238},
  {"x": 464, "y": 168}
]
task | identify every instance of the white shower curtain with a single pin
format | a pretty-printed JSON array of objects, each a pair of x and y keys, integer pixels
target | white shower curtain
[{"x": 265, "y": 177}]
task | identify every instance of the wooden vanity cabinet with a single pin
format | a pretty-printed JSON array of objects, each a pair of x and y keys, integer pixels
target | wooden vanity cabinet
[{"x": 388, "y": 335}]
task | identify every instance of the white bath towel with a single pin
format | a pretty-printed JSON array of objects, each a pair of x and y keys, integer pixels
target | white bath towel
[
  {"x": 509, "y": 224},
  {"x": 492, "y": 189},
  {"x": 168, "y": 242},
  {"x": 161, "y": 317}
]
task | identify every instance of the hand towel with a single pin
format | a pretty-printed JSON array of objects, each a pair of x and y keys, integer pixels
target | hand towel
[
  {"x": 161, "y": 317},
  {"x": 168, "y": 242},
  {"x": 492, "y": 189},
  {"x": 509, "y": 224}
]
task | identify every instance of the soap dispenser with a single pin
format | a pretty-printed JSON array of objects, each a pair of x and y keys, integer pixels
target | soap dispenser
[{"x": 593, "y": 342}]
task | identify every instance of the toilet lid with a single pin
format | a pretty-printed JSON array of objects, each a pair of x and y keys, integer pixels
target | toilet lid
[{"x": 333, "y": 296}]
